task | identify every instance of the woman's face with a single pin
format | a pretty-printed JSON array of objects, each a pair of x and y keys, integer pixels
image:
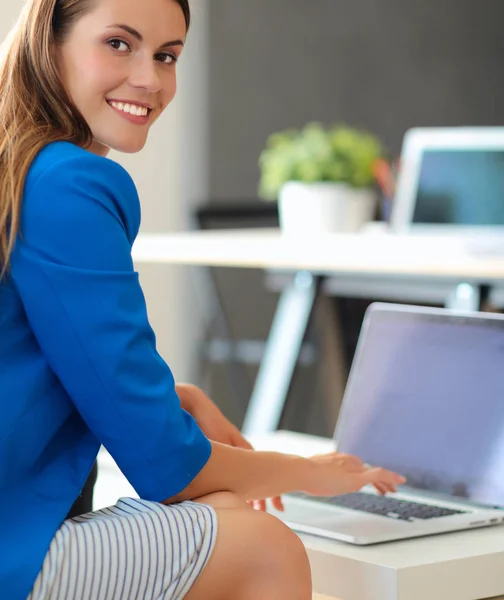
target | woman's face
[{"x": 118, "y": 66}]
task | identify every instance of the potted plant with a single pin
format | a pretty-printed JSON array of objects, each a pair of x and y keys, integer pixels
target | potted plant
[{"x": 322, "y": 177}]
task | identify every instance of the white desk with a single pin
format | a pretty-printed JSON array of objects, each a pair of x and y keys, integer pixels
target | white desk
[
  {"x": 412, "y": 268},
  {"x": 457, "y": 566},
  {"x": 358, "y": 254}
]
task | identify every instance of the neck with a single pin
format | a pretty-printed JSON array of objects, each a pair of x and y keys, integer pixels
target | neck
[{"x": 98, "y": 148}]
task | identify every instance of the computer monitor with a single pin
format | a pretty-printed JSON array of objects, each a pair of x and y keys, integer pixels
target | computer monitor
[
  {"x": 424, "y": 398},
  {"x": 451, "y": 182}
]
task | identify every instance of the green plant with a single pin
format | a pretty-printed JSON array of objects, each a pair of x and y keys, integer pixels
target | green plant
[{"x": 314, "y": 153}]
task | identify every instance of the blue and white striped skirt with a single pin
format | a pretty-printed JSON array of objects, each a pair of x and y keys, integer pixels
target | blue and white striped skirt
[{"x": 135, "y": 549}]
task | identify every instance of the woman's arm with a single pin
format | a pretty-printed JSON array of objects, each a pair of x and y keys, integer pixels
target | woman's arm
[
  {"x": 254, "y": 475},
  {"x": 73, "y": 270},
  {"x": 247, "y": 473}
]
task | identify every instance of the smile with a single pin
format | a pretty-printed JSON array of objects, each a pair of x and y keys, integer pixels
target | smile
[{"x": 131, "y": 109}]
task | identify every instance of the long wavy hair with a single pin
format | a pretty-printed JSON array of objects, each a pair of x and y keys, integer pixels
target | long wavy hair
[{"x": 35, "y": 110}]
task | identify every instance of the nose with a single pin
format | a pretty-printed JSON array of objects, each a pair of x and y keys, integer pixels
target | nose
[{"x": 144, "y": 75}]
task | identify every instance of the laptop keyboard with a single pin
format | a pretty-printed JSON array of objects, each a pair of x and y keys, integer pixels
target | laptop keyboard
[{"x": 385, "y": 506}]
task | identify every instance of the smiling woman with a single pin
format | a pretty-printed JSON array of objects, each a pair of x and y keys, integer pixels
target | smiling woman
[
  {"x": 131, "y": 70},
  {"x": 58, "y": 81},
  {"x": 78, "y": 361}
]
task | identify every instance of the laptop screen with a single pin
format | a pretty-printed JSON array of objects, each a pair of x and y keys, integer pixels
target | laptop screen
[
  {"x": 426, "y": 398},
  {"x": 460, "y": 187}
]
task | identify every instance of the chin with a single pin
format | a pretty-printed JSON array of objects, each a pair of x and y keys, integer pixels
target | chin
[
  {"x": 128, "y": 147},
  {"x": 123, "y": 144}
]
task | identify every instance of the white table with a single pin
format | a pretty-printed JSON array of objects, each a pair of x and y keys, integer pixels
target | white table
[
  {"x": 423, "y": 269},
  {"x": 380, "y": 254},
  {"x": 455, "y": 566}
]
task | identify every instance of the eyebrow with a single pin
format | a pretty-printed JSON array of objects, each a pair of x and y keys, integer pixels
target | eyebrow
[{"x": 136, "y": 34}]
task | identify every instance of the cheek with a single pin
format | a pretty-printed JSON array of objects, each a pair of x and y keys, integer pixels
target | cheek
[{"x": 94, "y": 72}]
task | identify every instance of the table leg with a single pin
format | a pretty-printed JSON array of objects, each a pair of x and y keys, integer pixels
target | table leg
[{"x": 281, "y": 354}]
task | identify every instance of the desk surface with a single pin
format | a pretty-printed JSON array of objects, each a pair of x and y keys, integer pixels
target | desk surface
[
  {"x": 466, "y": 565},
  {"x": 370, "y": 253}
]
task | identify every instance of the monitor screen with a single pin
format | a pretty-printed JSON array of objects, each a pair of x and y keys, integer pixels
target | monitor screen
[
  {"x": 461, "y": 187},
  {"x": 426, "y": 398}
]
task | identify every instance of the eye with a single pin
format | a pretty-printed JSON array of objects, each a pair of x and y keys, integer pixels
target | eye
[
  {"x": 166, "y": 58},
  {"x": 119, "y": 45}
]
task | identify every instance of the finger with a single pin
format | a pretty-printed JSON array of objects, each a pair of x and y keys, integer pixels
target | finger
[
  {"x": 384, "y": 487},
  {"x": 382, "y": 476},
  {"x": 390, "y": 489},
  {"x": 237, "y": 440},
  {"x": 277, "y": 503},
  {"x": 241, "y": 442},
  {"x": 381, "y": 489}
]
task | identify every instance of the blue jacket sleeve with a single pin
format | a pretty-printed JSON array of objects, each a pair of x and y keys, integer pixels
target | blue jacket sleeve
[{"x": 73, "y": 269}]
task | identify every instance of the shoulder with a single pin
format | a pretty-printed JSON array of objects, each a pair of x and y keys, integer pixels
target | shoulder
[
  {"x": 67, "y": 160},
  {"x": 62, "y": 170}
]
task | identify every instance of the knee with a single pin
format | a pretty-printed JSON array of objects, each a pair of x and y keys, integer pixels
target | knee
[
  {"x": 271, "y": 544},
  {"x": 281, "y": 549},
  {"x": 256, "y": 556},
  {"x": 283, "y": 538}
]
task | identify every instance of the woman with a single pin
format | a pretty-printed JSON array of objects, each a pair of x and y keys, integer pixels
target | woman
[{"x": 78, "y": 362}]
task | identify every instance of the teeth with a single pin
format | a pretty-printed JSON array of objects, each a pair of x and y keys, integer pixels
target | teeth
[{"x": 132, "y": 109}]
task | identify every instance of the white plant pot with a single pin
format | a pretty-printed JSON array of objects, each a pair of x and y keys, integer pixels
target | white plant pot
[{"x": 324, "y": 207}]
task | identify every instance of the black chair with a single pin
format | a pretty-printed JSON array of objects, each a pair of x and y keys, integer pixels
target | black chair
[{"x": 84, "y": 502}]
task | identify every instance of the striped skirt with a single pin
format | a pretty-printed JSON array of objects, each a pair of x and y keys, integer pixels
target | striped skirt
[{"x": 135, "y": 549}]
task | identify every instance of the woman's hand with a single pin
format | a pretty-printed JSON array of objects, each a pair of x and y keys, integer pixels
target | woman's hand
[
  {"x": 333, "y": 474},
  {"x": 215, "y": 426}
]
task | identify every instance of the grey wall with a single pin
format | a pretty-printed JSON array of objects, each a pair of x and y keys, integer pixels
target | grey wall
[
  {"x": 386, "y": 65},
  {"x": 382, "y": 64}
]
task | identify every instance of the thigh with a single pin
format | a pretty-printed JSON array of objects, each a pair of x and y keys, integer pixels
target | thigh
[{"x": 135, "y": 549}]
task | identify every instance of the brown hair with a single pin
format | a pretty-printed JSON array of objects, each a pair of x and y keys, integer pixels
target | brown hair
[{"x": 35, "y": 110}]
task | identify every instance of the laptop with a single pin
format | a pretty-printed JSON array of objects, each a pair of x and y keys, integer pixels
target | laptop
[
  {"x": 425, "y": 398},
  {"x": 451, "y": 182}
]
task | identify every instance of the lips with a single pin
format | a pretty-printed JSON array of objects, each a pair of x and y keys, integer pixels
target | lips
[
  {"x": 130, "y": 108},
  {"x": 136, "y": 119}
]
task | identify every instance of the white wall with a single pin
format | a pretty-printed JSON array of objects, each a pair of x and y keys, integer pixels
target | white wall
[
  {"x": 171, "y": 176},
  {"x": 8, "y": 14}
]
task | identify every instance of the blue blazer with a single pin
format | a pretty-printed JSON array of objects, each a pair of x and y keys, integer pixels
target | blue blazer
[{"x": 78, "y": 360}]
